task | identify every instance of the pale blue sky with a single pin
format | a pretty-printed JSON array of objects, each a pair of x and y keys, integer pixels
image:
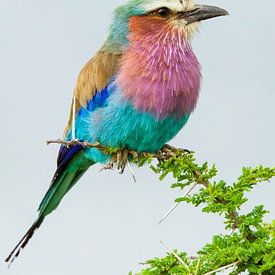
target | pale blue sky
[{"x": 108, "y": 224}]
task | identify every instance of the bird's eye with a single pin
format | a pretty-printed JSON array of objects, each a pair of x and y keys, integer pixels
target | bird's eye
[{"x": 163, "y": 12}]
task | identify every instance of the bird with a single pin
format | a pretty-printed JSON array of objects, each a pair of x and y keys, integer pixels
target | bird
[{"x": 136, "y": 93}]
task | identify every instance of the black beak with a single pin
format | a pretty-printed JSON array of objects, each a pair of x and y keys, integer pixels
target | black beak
[{"x": 202, "y": 12}]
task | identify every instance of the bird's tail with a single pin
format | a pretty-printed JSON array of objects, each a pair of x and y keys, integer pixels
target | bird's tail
[
  {"x": 72, "y": 164},
  {"x": 23, "y": 242}
]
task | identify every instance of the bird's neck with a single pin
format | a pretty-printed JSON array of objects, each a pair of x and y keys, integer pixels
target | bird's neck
[{"x": 159, "y": 72}]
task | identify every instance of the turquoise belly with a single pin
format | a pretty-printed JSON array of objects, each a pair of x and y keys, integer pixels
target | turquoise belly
[
  {"x": 139, "y": 131},
  {"x": 118, "y": 124}
]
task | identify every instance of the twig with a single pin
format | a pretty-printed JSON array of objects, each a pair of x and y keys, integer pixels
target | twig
[
  {"x": 222, "y": 268},
  {"x": 177, "y": 257},
  {"x": 76, "y": 142},
  {"x": 177, "y": 204},
  {"x": 233, "y": 215},
  {"x": 197, "y": 175}
]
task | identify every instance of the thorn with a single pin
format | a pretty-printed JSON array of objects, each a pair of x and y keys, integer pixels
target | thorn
[
  {"x": 222, "y": 268},
  {"x": 73, "y": 120},
  {"x": 177, "y": 257},
  {"x": 198, "y": 266},
  {"x": 169, "y": 212},
  {"x": 131, "y": 171},
  {"x": 176, "y": 205}
]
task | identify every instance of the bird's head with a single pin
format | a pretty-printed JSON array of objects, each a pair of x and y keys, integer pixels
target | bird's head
[{"x": 158, "y": 16}]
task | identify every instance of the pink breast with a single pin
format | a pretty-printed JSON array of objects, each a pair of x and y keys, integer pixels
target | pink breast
[{"x": 159, "y": 72}]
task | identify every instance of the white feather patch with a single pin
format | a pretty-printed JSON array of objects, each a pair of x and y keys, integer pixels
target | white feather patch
[{"x": 174, "y": 5}]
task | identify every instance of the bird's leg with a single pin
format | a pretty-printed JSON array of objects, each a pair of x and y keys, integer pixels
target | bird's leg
[
  {"x": 123, "y": 156},
  {"x": 120, "y": 158},
  {"x": 119, "y": 155},
  {"x": 175, "y": 150},
  {"x": 111, "y": 163},
  {"x": 124, "y": 160},
  {"x": 168, "y": 151}
]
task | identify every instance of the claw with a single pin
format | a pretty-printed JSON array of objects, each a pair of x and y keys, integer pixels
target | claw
[
  {"x": 170, "y": 151},
  {"x": 125, "y": 154},
  {"x": 110, "y": 165},
  {"x": 120, "y": 158},
  {"x": 134, "y": 154}
]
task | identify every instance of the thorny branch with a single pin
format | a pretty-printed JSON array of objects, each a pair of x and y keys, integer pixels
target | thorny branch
[
  {"x": 118, "y": 156},
  {"x": 188, "y": 173}
]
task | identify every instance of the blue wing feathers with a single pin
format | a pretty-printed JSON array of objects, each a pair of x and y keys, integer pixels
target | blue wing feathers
[
  {"x": 98, "y": 100},
  {"x": 66, "y": 154}
]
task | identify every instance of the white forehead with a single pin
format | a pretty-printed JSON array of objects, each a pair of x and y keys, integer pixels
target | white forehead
[{"x": 175, "y": 5}]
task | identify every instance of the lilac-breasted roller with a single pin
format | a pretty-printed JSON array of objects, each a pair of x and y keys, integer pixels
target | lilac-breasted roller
[{"x": 136, "y": 93}]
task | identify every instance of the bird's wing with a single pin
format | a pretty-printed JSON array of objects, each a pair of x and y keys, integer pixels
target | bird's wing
[
  {"x": 93, "y": 79},
  {"x": 90, "y": 93}
]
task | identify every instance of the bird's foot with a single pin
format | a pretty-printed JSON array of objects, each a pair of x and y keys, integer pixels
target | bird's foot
[
  {"x": 120, "y": 159},
  {"x": 168, "y": 151}
]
